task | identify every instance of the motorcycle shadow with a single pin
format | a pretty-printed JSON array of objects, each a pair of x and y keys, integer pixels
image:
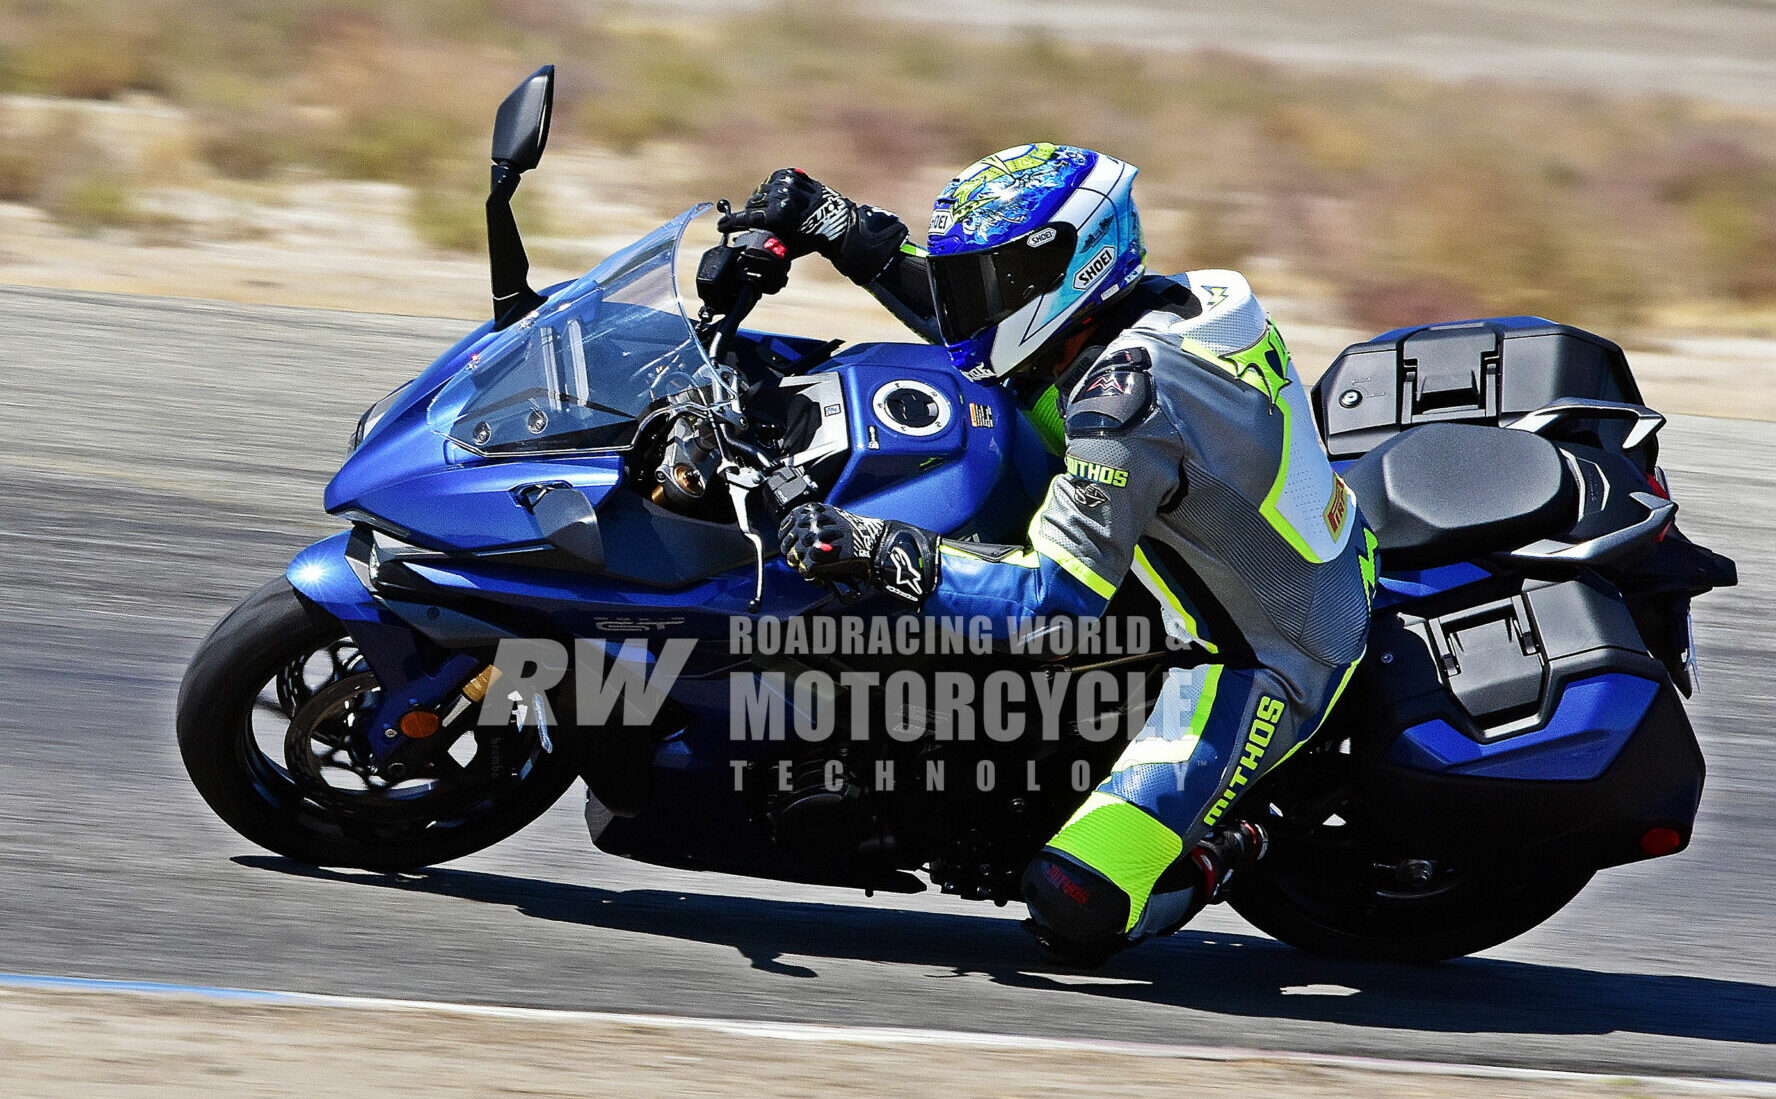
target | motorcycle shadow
[{"x": 1221, "y": 973}]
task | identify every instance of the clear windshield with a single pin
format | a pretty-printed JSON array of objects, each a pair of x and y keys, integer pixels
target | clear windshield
[{"x": 580, "y": 373}]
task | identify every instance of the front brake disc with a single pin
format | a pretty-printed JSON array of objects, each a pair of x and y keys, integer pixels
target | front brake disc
[{"x": 332, "y": 719}]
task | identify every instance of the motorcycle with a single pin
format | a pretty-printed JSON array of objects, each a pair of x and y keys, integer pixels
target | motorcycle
[{"x": 598, "y": 468}]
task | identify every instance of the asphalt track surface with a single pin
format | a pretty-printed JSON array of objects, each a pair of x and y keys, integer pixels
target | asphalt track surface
[{"x": 161, "y": 458}]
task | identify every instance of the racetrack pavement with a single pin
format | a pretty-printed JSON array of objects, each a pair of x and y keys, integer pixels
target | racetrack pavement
[
  {"x": 161, "y": 458},
  {"x": 154, "y": 1041}
]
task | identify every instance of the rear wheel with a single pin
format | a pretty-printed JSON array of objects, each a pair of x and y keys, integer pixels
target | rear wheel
[
  {"x": 1334, "y": 884},
  {"x": 272, "y": 723}
]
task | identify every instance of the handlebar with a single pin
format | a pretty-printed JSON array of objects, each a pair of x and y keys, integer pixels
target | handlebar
[
  {"x": 735, "y": 275},
  {"x": 749, "y": 297}
]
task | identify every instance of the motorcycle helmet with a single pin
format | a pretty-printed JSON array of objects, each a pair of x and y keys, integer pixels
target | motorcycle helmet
[{"x": 1025, "y": 244}]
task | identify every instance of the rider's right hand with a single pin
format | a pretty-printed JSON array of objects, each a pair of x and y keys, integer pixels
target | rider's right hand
[
  {"x": 803, "y": 213},
  {"x": 831, "y": 545}
]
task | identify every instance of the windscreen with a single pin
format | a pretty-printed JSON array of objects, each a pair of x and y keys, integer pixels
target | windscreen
[{"x": 578, "y": 374}]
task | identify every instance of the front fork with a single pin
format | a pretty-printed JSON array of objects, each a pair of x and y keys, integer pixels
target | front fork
[{"x": 417, "y": 675}]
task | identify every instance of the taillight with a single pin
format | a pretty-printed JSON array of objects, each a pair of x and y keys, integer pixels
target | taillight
[
  {"x": 1660, "y": 841},
  {"x": 1656, "y": 482}
]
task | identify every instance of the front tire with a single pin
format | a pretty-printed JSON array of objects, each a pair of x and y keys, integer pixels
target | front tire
[{"x": 279, "y": 661}]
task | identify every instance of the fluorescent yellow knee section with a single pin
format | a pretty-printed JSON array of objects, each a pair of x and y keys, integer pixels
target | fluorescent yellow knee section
[{"x": 1122, "y": 843}]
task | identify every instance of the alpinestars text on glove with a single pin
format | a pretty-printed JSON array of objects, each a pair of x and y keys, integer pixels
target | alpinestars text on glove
[{"x": 831, "y": 545}]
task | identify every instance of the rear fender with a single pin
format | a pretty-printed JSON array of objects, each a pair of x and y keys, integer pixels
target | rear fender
[{"x": 414, "y": 669}]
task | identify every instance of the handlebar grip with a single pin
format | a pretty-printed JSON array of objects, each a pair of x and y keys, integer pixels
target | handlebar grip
[
  {"x": 763, "y": 259},
  {"x": 754, "y": 238}
]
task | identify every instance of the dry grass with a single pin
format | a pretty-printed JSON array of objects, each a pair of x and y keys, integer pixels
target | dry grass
[{"x": 1408, "y": 198}]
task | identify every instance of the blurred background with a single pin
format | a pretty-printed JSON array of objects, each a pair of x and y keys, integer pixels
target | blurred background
[
  {"x": 1365, "y": 162},
  {"x": 1372, "y": 165}
]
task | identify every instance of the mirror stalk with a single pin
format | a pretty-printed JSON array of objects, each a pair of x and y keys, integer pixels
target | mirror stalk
[
  {"x": 520, "y": 130},
  {"x": 513, "y": 299}
]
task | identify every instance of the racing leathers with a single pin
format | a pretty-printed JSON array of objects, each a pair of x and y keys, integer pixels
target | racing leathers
[{"x": 1192, "y": 464}]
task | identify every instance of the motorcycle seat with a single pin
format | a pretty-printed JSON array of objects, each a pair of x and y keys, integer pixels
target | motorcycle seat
[{"x": 1443, "y": 493}]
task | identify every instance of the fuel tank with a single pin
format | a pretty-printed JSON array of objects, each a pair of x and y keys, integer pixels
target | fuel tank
[{"x": 931, "y": 448}]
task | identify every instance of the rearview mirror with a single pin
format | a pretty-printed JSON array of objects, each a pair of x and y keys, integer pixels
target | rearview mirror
[{"x": 521, "y": 128}]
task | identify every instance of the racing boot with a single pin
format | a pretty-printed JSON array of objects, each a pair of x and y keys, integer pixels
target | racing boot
[
  {"x": 1077, "y": 915},
  {"x": 1224, "y": 853},
  {"x": 1200, "y": 878},
  {"x": 1081, "y": 918}
]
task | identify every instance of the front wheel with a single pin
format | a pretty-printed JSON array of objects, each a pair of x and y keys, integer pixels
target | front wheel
[{"x": 270, "y": 722}]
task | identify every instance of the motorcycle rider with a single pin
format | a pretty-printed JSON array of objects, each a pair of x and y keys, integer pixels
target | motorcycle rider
[{"x": 1191, "y": 462}]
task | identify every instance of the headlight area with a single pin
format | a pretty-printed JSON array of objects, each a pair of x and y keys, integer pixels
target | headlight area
[{"x": 374, "y": 414}]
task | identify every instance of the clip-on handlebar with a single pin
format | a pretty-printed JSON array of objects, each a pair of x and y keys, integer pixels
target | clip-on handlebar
[{"x": 732, "y": 278}]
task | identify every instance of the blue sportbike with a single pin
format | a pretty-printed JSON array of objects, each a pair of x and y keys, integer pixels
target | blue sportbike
[{"x": 596, "y": 474}]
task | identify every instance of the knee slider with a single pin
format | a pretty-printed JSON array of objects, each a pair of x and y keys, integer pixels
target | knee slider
[{"x": 1074, "y": 901}]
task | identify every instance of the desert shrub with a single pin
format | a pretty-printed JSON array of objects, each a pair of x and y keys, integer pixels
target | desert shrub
[
  {"x": 96, "y": 201},
  {"x": 1395, "y": 192},
  {"x": 392, "y": 144},
  {"x": 82, "y": 56},
  {"x": 23, "y": 174},
  {"x": 246, "y": 146},
  {"x": 448, "y": 211},
  {"x": 450, "y": 220},
  {"x": 1376, "y": 305}
]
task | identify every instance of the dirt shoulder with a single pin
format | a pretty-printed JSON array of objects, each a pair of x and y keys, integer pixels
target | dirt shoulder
[
  {"x": 376, "y": 271},
  {"x": 57, "y": 1044},
  {"x": 341, "y": 245}
]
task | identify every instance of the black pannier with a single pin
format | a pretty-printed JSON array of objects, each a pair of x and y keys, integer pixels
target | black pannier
[{"x": 1480, "y": 372}]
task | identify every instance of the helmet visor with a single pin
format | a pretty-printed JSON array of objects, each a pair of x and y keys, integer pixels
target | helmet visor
[{"x": 976, "y": 290}]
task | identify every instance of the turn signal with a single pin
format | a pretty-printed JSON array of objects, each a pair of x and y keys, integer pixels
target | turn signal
[
  {"x": 1660, "y": 841},
  {"x": 419, "y": 724}
]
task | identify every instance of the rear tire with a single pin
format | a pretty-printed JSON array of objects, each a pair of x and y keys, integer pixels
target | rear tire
[
  {"x": 262, "y": 647},
  {"x": 1322, "y": 916},
  {"x": 1336, "y": 881}
]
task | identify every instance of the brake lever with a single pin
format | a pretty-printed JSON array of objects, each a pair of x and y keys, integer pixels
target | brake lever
[{"x": 742, "y": 482}]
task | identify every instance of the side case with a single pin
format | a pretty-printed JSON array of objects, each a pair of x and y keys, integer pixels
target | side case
[{"x": 1532, "y": 719}]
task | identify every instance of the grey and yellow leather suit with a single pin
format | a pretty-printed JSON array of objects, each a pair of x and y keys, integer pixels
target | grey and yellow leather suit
[{"x": 1193, "y": 468}]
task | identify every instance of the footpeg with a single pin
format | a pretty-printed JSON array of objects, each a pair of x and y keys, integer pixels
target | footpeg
[{"x": 1225, "y": 853}]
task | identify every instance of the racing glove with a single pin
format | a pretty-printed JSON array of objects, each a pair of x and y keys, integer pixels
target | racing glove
[
  {"x": 726, "y": 268},
  {"x": 808, "y": 216},
  {"x": 833, "y": 546}
]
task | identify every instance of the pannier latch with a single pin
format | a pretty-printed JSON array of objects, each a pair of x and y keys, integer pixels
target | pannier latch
[
  {"x": 1492, "y": 659},
  {"x": 1451, "y": 372}
]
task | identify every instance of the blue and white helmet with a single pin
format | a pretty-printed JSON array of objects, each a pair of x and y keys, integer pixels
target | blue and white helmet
[{"x": 1025, "y": 242}]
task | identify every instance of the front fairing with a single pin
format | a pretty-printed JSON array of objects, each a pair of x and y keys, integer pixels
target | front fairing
[
  {"x": 410, "y": 481},
  {"x": 418, "y": 473}
]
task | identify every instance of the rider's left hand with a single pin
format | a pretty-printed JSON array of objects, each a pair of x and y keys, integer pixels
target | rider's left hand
[
  {"x": 831, "y": 545},
  {"x": 805, "y": 214}
]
